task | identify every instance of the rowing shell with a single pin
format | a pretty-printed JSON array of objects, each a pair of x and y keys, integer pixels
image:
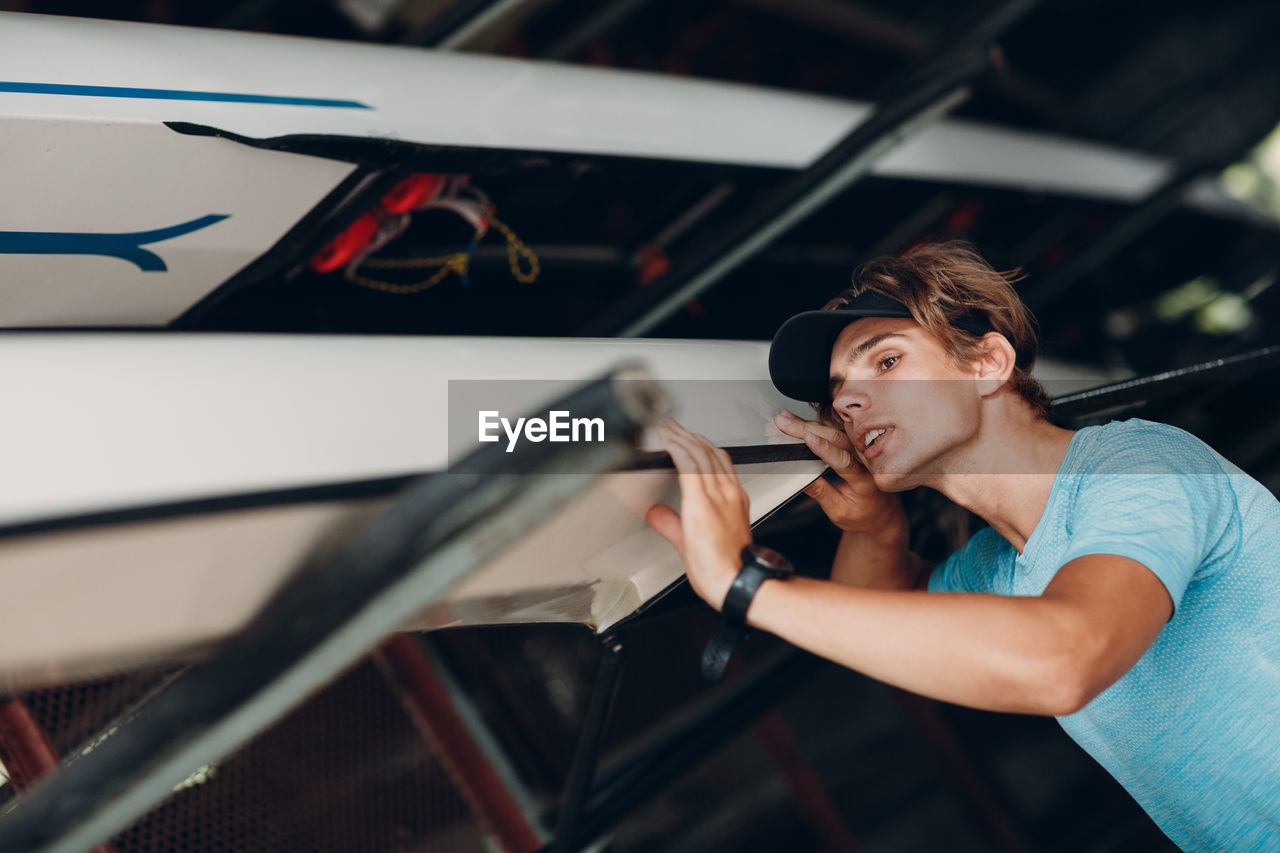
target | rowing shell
[{"x": 158, "y": 488}]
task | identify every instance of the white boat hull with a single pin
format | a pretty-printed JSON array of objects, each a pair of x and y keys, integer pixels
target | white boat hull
[
  {"x": 171, "y": 483},
  {"x": 112, "y": 217}
]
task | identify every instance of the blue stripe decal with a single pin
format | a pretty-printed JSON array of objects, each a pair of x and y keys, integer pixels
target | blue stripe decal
[
  {"x": 173, "y": 95},
  {"x": 127, "y": 247}
]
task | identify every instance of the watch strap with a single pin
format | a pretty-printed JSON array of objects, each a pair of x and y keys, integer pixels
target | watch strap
[
  {"x": 754, "y": 572},
  {"x": 715, "y": 657},
  {"x": 741, "y": 592}
]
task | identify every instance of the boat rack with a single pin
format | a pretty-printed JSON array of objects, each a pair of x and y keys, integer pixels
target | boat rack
[{"x": 331, "y": 614}]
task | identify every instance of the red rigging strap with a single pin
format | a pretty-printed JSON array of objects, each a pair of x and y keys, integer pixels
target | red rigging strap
[
  {"x": 408, "y": 195},
  {"x": 426, "y": 699},
  {"x": 413, "y": 192},
  {"x": 341, "y": 250},
  {"x": 26, "y": 751},
  {"x": 355, "y": 247}
]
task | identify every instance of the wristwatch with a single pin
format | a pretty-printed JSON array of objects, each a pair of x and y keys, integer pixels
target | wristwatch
[{"x": 759, "y": 564}]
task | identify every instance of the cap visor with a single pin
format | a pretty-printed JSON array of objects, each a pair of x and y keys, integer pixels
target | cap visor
[{"x": 800, "y": 355}]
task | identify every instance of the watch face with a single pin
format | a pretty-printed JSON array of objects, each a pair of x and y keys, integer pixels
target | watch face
[{"x": 767, "y": 559}]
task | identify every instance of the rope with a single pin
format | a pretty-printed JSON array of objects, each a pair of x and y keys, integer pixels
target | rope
[
  {"x": 515, "y": 249},
  {"x": 458, "y": 262}
]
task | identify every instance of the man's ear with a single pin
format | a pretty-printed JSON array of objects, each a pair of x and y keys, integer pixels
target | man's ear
[{"x": 995, "y": 363}]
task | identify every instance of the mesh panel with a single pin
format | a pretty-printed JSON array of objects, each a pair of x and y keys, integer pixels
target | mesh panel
[
  {"x": 72, "y": 716},
  {"x": 347, "y": 771}
]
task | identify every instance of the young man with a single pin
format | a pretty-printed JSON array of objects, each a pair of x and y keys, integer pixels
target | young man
[{"x": 1127, "y": 584}]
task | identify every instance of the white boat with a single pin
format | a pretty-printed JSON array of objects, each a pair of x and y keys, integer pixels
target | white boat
[
  {"x": 145, "y": 166},
  {"x": 158, "y": 488}
]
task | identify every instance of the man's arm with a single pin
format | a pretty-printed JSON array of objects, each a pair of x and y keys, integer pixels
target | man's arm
[
  {"x": 878, "y": 562},
  {"x": 1042, "y": 655},
  {"x": 1049, "y": 654}
]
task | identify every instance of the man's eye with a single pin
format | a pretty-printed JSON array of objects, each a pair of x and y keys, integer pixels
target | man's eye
[{"x": 888, "y": 361}]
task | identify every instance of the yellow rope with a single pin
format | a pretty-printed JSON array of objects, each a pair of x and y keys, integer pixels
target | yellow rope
[
  {"x": 458, "y": 262},
  {"x": 515, "y": 248},
  {"x": 452, "y": 263}
]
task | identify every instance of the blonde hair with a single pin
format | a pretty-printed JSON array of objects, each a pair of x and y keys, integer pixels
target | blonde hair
[{"x": 941, "y": 283}]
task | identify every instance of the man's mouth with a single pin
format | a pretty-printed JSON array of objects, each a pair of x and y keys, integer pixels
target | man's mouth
[{"x": 873, "y": 441}]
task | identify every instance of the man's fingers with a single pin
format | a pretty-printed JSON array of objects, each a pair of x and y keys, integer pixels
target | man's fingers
[
  {"x": 666, "y": 521},
  {"x": 816, "y": 489},
  {"x": 694, "y": 469},
  {"x": 697, "y": 453},
  {"x": 792, "y": 425},
  {"x": 828, "y": 498},
  {"x": 797, "y": 427},
  {"x": 839, "y": 458},
  {"x": 685, "y": 454},
  {"x": 800, "y": 428}
]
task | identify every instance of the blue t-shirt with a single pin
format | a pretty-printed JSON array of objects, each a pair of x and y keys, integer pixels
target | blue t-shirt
[{"x": 1192, "y": 731}]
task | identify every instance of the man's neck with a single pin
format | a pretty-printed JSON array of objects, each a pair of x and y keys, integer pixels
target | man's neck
[{"x": 1006, "y": 474}]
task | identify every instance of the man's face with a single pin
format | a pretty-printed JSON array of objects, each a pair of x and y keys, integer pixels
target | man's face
[{"x": 905, "y": 403}]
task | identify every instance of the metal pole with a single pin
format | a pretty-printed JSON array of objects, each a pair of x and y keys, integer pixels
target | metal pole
[
  {"x": 923, "y": 97},
  {"x": 1130, "y": 227},
  {"x": 774, "y": 218},
  {"x": 462, "y": 22},
  {"x": 697, "y": 733},
  {"x": 605, "y": 18},
  {"x": 426, "y": 696},
  {"x": 1166, "y": 382},
  {"x": 245, "y": 13},
  {"x": 750, "y": 454},
  {"x": 583, "y": 772},
  {"x": 1169, "y": 197},
  {"x": 812, "y": 800},
  {"x": 966, "y": 778}
]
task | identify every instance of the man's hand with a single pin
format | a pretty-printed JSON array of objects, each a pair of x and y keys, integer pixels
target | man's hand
[
  {"x": 873, "y": 549},
  {"x": 714, "y": 523},
  {"x": 854, "y": 504}
]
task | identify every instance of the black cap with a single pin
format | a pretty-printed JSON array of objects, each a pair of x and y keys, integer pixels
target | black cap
[{"x": 800, "y": 356}]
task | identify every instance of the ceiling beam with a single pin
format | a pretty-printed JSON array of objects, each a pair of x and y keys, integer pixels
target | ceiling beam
[{"x": 922, "y": 96}]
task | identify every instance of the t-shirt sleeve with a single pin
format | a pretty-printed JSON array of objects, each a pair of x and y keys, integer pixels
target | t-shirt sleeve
[
  {"x": 974, "y": 568},
  {"x": 1159, "y": 497}
]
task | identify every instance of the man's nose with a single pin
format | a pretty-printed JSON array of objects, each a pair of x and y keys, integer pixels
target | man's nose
[{"x": 850, "y": 397}]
